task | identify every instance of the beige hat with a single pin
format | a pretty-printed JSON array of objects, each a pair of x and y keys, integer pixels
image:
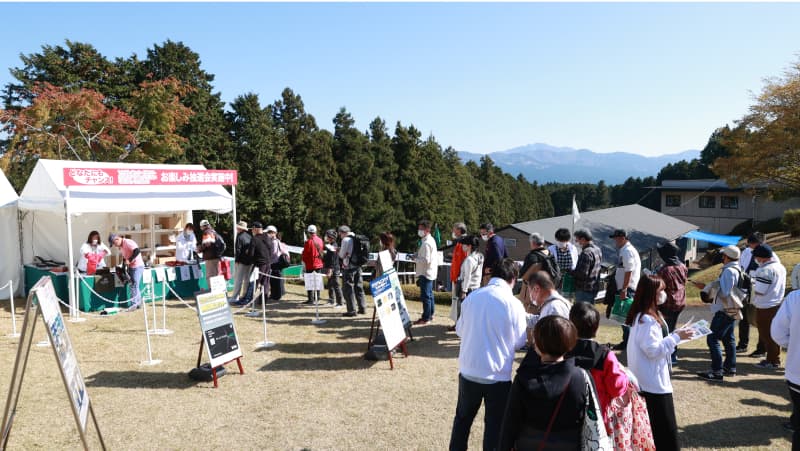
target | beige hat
[
  {"x": 732, "y": 252},
  {"x": 241, "y": 225}
]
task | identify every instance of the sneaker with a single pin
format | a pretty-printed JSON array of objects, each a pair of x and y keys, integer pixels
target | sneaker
[
  {"x": 709, "y": 376},
  {"x": 757, "y": 354},
  {"x": 330, "y": 304},
  {"x": 421, "y": 322},
  {"x": 727, "y": 372},
  {"x": 767, "y": 365},
  {"x": 741, "y": 349},
  {"x": 349, "y": 314},
  {"x": 361, "y": 311},
  {"x": 309, "y": 302},
  {"x": 242, "y": 302},
  {"x": 451, "y": 328},
  {"x": 338, "y": 306},
  {"x": 788, "y": 427}
]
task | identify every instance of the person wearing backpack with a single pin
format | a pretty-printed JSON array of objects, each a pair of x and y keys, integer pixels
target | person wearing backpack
[
  {"x": 312, "y": 259},
  {"x": 353, "y": 289},
  {"x": 538, "y": 259},
  {"x": 212, "y": 246},
  {"x": 722, "y": 324},
  {"x": 244, "y": 264}
]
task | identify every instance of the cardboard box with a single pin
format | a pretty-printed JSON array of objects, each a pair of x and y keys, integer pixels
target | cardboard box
[
  {"x": 164, "y": 260},
  {"x": 174, "y": 222}
]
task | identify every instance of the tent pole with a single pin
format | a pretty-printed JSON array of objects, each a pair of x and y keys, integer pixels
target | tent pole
[
  {"x": 233, "y": 204},
  {"x": 73, "y": 302}
]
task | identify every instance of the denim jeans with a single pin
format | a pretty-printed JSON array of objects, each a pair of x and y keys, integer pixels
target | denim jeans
[
  {"x": 470, "y": 395},
  {"x": 794, "y": 392},
  {"x": 426, "y": 296},
  {"x": 722, "y": 329},
  {"x": 585, "y": 296},
  {"x": 136, "y": 280}
]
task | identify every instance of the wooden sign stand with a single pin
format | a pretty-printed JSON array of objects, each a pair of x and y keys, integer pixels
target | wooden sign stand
[
  {"x": 214, "y": 369},
  {"x": 62, "y": 350},
  {"x": 373, "y": 329}
]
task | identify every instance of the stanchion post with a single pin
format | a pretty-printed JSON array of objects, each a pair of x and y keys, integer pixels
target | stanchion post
[
  {"x": 317, "y": 278},
  {"x": 149, "y": 361},
  {"x": 266, "y": 343},
  {"x": 13, "y": 333}
]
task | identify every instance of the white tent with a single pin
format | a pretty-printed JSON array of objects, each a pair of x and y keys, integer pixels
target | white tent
[
  {"x": 10, "y": 265},
  {"x": 45, "y": 201}
]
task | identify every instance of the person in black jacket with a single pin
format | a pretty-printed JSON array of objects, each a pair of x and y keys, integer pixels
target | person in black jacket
[
  {"x": 244, "y": 264},
  {"x": 333, "y": 269},
  {"x": 547, "y": 401},
  {"x": 262, "y": 258}
]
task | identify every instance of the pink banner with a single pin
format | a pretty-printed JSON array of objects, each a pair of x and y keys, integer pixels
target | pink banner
[{"x": 146, "y": 176}]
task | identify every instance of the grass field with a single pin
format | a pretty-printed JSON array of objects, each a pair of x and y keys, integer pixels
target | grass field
[{"x": 314, "y": 391}]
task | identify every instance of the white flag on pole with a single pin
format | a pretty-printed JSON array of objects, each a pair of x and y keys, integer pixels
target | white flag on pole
[{"x": 575, "y": 214}]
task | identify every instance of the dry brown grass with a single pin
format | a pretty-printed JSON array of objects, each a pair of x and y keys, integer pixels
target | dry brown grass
[{"x": 313, "y": 391}]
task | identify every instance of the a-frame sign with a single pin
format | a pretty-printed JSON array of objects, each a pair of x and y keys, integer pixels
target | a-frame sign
[{"x": 42, "y": 300}]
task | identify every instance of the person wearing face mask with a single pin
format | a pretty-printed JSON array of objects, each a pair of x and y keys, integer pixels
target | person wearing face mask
[
  {"x": 495, "y": 250},
  {"x": 185, "y": 244},
  {"x": 470, "y": 273},
  {"x": 92, "y": 254},
  {"x": 459, "y": 231},
  {"x": 566, "y": 253},
  {"x": 427, "y": 270},
  {"x": 722, "y": 324}
]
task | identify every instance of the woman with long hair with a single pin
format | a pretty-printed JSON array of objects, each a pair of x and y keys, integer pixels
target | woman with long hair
[
  {"x": 649, "y": 358},
  {"x": 91, "y": 256}
]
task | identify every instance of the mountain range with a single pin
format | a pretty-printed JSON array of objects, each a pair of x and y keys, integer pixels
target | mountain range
[{"x": 545, "y": 163}]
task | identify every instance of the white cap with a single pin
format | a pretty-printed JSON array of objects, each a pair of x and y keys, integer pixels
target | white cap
[
  {"x": 312, "y": 229},
  {"x": 204, "y": 223},
  {"x": 271, "y": 228}
]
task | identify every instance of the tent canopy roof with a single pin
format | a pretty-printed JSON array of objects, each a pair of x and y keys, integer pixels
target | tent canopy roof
[
  {"x": 722, "y": 240},
  {"x": 45, "y": 190},
  {"x": 7, "y": 193}
]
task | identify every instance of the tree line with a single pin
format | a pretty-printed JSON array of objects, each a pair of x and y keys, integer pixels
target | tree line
[{"x": 71, "y": 102}]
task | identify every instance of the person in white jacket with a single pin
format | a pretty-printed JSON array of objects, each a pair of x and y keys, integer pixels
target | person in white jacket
[
  {"x": 469, "y": 276},
  {"x": 649, "y": 352},
  {"x": 785, "y": 330},
  {"x": 769, "y": 287}
]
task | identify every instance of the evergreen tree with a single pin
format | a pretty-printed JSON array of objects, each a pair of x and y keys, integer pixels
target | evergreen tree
[{"x": 387, "y": 208}]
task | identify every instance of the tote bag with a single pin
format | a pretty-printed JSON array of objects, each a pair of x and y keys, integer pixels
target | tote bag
[{"x": 594, "y": 436}]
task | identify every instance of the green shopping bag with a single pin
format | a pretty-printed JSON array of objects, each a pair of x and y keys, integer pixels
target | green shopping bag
[{"x": 619, "y": 312}]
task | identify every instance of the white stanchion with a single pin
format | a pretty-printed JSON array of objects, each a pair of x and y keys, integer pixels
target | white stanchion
[
  {"x": 313, "y": 283},
  {"x": 13, "y": 333},
  {"x": 150, "y": 361},
  {"x": 254, "y": 313},
  {"x": 163, "y": 330},
  {"x": 316, "y": 320},
  {"x": 266, "y": 343},
  {"x": 76, "y": 317}
]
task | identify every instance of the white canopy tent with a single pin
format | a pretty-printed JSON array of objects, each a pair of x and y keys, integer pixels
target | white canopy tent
[
  {"x": 10, "y": 265},
  {"x": 52, "y": 212}
]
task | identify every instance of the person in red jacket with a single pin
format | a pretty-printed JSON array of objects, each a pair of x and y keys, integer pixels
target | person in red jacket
[
  {"x": 459, "y": 230},
  {"x": 313, "y": 250}
]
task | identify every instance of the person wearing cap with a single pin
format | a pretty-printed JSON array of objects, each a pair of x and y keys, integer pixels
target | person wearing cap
[
  {"x": 135, "y": 265},
  {"x": 587, "y": 268},
  {"x": 280, "y": 260},
  {"x": 208, "y": 248},
  {"x": 331, "y": 266},
  {"x": 769, "y": 287},
  {"x": 674, "y": 274},
  {"x": 629, "y": 268},
  {"x": 244, "y": 264},
  {"x": 312, "y": 259},
  {"x": 495, "y": 250},
  {"x": 262, "y": 258},
  {"x": 353, "y": 289},
  {"x": 749, "y": 266},
  {"x": 722, "y": 324},
  {"x": 185, "y": 244}
]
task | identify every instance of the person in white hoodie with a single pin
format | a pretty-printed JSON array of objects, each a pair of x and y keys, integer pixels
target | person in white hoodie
[
  {"x": 785, "y": 330},
  {"x": 769, "y": 287}
]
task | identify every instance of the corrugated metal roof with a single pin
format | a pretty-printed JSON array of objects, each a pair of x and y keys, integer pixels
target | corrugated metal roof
[{"x": 646, "y": 228}]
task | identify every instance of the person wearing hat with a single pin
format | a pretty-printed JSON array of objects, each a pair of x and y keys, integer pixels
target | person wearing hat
[
  {"x": 185, "y": 244},
  {"x": 312, "y": 259},
  {"x": 353, "y": 288},
  {"x": 723, "y": 322},
  {"x": 332, "y": 267},
  {"x": 769, "y": 287},
  {"x": 674, "y": 274},
  {"x": 262, "y": 259},
  {"x": 280, "y": 261},
  {"x": 587, "y": 269},
  {"x": 244, "y": 264},
  {"x": 629, "y": 269},
  {"x": 208, "y": 247},
  {"x": 134, "y": 263},
  {"x": 749, "y": 266}
]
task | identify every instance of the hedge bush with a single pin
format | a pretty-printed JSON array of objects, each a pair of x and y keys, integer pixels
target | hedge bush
[{"x": 791, "y": 221}]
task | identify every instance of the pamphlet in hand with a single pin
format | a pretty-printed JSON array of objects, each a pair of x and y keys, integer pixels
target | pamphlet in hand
[{"x": 700, "y": 328}]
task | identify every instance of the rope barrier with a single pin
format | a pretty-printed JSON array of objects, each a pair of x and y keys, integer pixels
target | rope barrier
[
  {"x": 83, "y": 279},
  {"x": 180, "y": 298},
  {"x": 6, "y": 285}
]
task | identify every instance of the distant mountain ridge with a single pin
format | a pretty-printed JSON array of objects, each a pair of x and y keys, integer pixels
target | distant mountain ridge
[{"x": 545, "y": 163}]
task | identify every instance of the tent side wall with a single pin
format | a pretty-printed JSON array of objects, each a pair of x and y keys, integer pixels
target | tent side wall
[{"x": 10, "y": 268}]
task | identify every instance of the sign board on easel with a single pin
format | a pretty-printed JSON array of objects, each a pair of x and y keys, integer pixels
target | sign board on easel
[
  {"x": 42, "y": 299},
  {"x": 387, "y": 310},
  {"x": 219, "y": 333}
]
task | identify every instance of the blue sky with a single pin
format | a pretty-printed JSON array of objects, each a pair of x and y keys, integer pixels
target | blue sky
[{"x": 647, "y": 78}]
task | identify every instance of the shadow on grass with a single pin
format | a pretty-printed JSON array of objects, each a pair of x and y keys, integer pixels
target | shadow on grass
[
  {"x": 787, "y": 406},
  {"x": 736, "y": 432},
  {"x": 319, "y": 364},
  {"x": 140, "y": 379}
]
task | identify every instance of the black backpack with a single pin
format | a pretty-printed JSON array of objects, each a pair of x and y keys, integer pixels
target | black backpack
[
  {"x": 744, "y": 283},
  {"x": 550, "y": 266},
  {"x": 360, "y": 253}
]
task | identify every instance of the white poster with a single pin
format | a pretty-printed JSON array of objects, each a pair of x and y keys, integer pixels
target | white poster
[
  {"x": 385, "y": 260},
  {"x": 313, "y": 281},
  {"x": 218, "y": 284},
  {"x": 147, "y": 276},
  {"x": 159, "y": 273},
  {"x": 62, "y": 346},
  {"x": 186, "y": 272},
  {"x": 170, "y": 273},
  {"x": 385, "y": 298},
  {"x": 196, "y": 272}
]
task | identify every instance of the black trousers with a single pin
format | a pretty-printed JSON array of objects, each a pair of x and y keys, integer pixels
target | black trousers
[
  {"x": 661, "y": 410},
  {"x": 794, "y": 392},
  {"x": 470, "y": 396}
]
